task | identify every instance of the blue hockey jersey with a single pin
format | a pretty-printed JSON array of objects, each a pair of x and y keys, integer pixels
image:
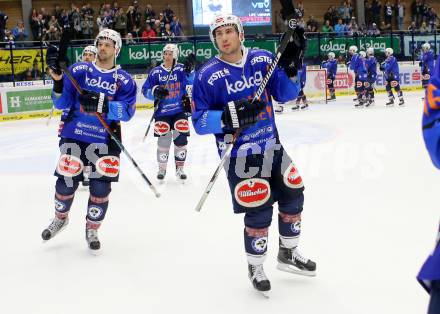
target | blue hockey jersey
[
  {"x": 431, "y": 134},
  {"x": 115, "y": 83},
  {"x": 331, "y": 66},
  {"x": 371, "y": 65},
  {"x": 391, "y": 68},
  {"x": 427, "y": 61},
  {"x": 172, "y": 104},
  {"x": 357, "y": 64},
  {"x": 219, "y": 82}
]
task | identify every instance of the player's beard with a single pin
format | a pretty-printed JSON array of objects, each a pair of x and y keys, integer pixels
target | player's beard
[{"x": 106, "y": 59}]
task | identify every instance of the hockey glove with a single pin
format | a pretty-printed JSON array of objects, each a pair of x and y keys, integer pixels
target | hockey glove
[
  {"x": 241, "y": 113},
  {"x": 160, "y": 92},
  {"x": 292, "y": 58},
  {"x": 190, "y": 63},
  {"x": 52, "y": 59},
  {"x": 382, "y": 66},
  {"x": 186, "y": 102},
  {"x": 94, "y": 102}
]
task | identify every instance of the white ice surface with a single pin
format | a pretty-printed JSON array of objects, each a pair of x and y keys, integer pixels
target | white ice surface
[{"x": 369, "y": 221}]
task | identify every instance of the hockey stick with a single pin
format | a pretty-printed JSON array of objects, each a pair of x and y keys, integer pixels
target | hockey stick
[
  {"x": 279, "y": 52},
  {"x": 157, "y": 102},
  {"x": 110, "y": 132},
  {"x": 64, "y": 43}
]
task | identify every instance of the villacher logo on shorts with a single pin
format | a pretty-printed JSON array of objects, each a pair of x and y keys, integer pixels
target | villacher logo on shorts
[
  {"x": 108, "y": 166},
  {"x": 182, "y": 126},
  {"x": 252, "y": 192},
  {"x": 161, "y": 128},
  {"x": 69, "y": 166},
  {"x": 292, "y": 178}
]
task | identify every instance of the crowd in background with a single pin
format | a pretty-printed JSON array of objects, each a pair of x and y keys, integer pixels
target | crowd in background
[
  {"x": 134, "y": 24},
  {"x": 380, "y": 17}
]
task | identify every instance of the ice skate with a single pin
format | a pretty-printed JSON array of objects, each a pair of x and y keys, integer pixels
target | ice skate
[
  {"x": 304, "y": 106},
  {"x": 370, "y": 103},
  {"x": 279, "y": 109},
  {"x": 401, "y": 102},
  {"x": 92, "y": 238},
  {"x": 55, "y": 227},
  {"x": 390, "y": 102},
  {"x": 161, "y": 174},
  {"x": 259, "y": 279},
  {"x": 291, "y": 261},
  {"x": 180, "y": 174}
]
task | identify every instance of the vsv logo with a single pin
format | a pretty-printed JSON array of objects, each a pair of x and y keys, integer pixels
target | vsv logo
[
  {"x": 239, "y": 86},
  {"x": 111, "y": 88},
  {"x": 261, "y": 5}
]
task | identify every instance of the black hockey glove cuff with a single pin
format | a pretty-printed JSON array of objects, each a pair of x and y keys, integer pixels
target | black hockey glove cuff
[
  {"x": 160, "y": 92},
  {"x": 190, "y": 63},
  {"x": 58, "y": 86},
  {"x": 94, "y": 102},
  {"x": 241, "y": 113}
]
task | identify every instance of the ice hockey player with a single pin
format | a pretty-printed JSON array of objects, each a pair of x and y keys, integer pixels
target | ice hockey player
[
  {"x": 371, "y": 65},
  {"x": 357, "y": 64},
  {"x": 89, "y": 54},
  {"x": 302, "y": 76},
  {"x": 167, "y": 87},
  {"x": 109, "y": 91},
  {"x": 429, "y": 275},
  {"x": 332, "y": 67},
  {"x": 426, "y": 63},
  {"x": 390, "y": 67},
  {"x": 259, "y": 171}
]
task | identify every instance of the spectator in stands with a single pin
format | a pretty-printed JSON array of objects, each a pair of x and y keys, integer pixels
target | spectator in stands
[
  {"x": 432, "y": 19},
  {"x": 312, "y": 24},
  {"x": 327, "y": 28},
  {"x": 176, "y": 26},
  {"x": 33, "y": 22},
  {"x": 52, "y": 34},
  {"x": 413, "y": 27},
  {"x": 340, "y": 28},
  {"x": 344, "y": 12},
  {"x": 168, "y": 14},
  {"x": 376, "y": 11},
  {"x": 416, "y": 11},
  {"x": 107, "y": 20},
  {"x": 157, "y": 28},
  {"x": 75, "y": 19},
  {"x": 400, "y": 13},
  {"x": 20, "y": 33},
  {"x": 167, "y": 33},
  {"x": 150, "y": 15},
  {"x": 129, "y": 39},
  {"x": 148, "y": 34},
  {"x": 136, "y": 33},
  {"x": 133, "y": 17},
  {"x": 36, "y": 73},
  {"x": 54, "y": 22},
  {"x": 57, "y": 12},
  {"x": 388, "y": 13},
  {"x": 423, "y": 28},
  {"x": 384, "y": 28},
  {"x": 137, "y": 14},
  {"x": 373, "y": 30},
  {"x": 87, "y": 26},
  {"x": 368, "y": 12},
  {"x": 115, "y": 8},
  {"x": 162, "y": 22},
  {"x": 121, "y": 22}
]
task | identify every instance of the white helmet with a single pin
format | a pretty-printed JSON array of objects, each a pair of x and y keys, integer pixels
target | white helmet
[
  {"x": 173, "y": 48},
  {"x": 353, "y": 49},
  {"x": 112, "y": 35},
  {"x": 426, "y": 46},
  {"x": 224, "y": 20},
  {"x": 91, "y": 49},
  {"x": 331, "y": 55},
  {"x": 389, "y": 51},
  {"x": 362, "y": 54},
  {"x": 370, "y": 51}
]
